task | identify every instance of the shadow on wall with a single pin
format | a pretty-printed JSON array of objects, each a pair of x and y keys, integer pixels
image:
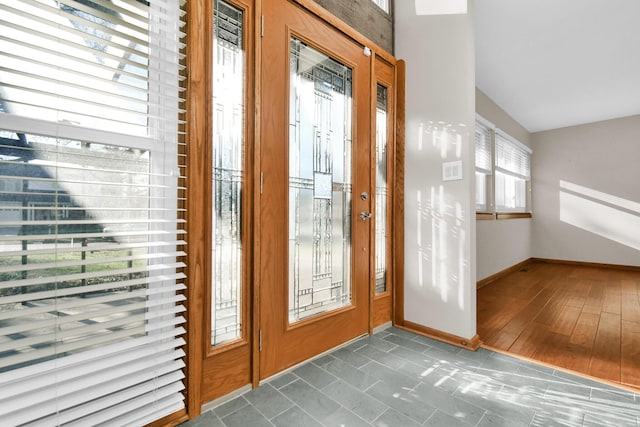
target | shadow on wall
[{"x": 603, "y": 214}]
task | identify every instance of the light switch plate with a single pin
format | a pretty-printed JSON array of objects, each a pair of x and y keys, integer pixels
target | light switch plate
[{"x": 452, "y": 171}]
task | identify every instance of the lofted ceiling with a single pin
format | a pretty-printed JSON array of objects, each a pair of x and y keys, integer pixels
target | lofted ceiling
[{"x": 557, "y": 63}]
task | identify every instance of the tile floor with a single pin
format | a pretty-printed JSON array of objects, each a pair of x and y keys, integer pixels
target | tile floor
[{"x": 396, "y": 378}]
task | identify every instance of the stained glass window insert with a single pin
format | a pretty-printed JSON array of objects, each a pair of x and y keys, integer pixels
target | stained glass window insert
[
  {"x": 320, "y": 145},
  {"x": 228, "y": 157},
  {"x": 381, "y": 189}
]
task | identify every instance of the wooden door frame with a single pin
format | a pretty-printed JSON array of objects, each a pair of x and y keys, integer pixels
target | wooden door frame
[
  {"x": 381, "y": 306},
  {"x": 199, "y": 31},
  {"x": 198, "y": 128}
]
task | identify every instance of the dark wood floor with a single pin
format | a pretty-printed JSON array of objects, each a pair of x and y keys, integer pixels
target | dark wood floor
[{"x": 582, "y": 318}]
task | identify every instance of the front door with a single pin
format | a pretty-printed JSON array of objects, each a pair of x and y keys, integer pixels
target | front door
[{"x": 315, "y": 188}]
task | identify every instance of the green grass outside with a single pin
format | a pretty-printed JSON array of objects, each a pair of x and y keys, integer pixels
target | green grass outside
[{"x": 68, "y": 270}]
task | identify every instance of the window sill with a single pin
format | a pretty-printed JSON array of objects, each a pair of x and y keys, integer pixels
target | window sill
[
  {"x": 513, "y": 215},
  {"x": 485, "y": 216}
]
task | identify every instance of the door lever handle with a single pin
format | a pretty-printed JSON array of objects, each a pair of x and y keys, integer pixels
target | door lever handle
[{"x": 364, "y": 215}]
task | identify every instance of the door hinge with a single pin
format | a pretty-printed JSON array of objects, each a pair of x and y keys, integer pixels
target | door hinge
[
  {"x": 260, "y": 340},
  {"x": 262, "y": 26},
  {"x": 261, "y": 181}
]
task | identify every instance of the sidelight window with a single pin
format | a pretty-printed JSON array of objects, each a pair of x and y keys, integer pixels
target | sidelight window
[
  {"x": 228, "y": 175},
  {"x": 382, "y": 190}
]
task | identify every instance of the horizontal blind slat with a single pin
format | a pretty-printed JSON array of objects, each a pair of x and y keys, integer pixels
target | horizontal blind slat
[
  {"x": 81, "y": 318},
  {"x": 95, "y": 400},
  {"x": 86, "y": 343},
  {"x": 113, "y": 297},
  {"x": 43, "y": 35},
  {"x": 34, "y": 296},
  {"x": 96, "y": 247},
  {"x": 141, "y": 416},
  {"x": 149, "y": 233},
  {"x": 107, "y": 357},
  {"x": 65, "y": 23},
  {"x": 79, "y": 262},
  {"x": 162, "y": 352},
  {"x": 125, "y": 410}
]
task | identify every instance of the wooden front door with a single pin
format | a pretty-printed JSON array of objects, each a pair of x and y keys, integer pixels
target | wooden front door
[{"x": 316, "y": 188}]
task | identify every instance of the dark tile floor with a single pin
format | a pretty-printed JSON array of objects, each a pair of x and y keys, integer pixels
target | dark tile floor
[{"x": 396, "y": 378}]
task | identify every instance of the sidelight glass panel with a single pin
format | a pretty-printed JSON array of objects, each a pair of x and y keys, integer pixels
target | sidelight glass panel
[
  {"x": 320, "y": 136},
  {"x": 381, "y": 190},
  {"x": 227, "y": 156}
]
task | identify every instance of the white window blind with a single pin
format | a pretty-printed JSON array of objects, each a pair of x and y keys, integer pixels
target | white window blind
[
  {"x": 483, "y": 147},
  {"x": 483, "y": 133},
  {"x": 90, "y": 225},
  {"x": 512, "y": 173},
  {"x": 512, "y": 157}
]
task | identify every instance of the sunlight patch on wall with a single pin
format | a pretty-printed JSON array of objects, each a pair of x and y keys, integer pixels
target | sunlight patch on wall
[
  {"x": 444, "y": 136},
  {"x": 603, "y": 214}
]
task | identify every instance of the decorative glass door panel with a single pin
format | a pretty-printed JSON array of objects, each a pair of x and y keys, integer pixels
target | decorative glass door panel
[
  {"x": 227, "y": 163},
  {"x": 320, "y": 138},
  {"x": 381, "y": 189},
  {"x": 314, "y": 255}
]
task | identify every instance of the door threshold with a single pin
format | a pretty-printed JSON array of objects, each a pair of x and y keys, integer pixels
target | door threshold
[
  {"x": 224, "y": 399},
  {"x": 382, "y": 327}
]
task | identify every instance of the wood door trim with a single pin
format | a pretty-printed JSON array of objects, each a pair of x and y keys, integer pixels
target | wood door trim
[
  {"x": 200, "y": 376},
  {"x": 398, "y": 195},
  {"x": 344, "y": 28},
  {"x": 372, "y": 179},
  {"x": 383, "y": 73},
  {"x": 257, "y": 207},
  {"x": 199, "y": 26}
]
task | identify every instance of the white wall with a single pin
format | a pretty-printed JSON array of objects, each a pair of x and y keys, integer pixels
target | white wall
[
  {"x": 586, "y": 189},
  {"x": 502, "y": 243},
  {"x": 440, "y": 291}
]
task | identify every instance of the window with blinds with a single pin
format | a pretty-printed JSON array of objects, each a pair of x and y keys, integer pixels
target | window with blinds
[
  {"x": 91, "y": 233},
  {"x": 484, "y": 135},
  {"x": 512, "y": 173}
]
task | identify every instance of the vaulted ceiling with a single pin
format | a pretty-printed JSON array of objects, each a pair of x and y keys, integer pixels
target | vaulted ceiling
[{"x": 558, "y": 63}]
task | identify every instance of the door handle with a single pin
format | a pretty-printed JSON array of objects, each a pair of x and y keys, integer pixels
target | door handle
[{"x": 364, "y": 215}]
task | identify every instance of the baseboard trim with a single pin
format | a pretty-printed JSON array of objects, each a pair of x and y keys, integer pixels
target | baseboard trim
[
  {"x": 470, "y": 344},
  {"x": 501, "y": 274},
  {"x": 586, "y": 264}
]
